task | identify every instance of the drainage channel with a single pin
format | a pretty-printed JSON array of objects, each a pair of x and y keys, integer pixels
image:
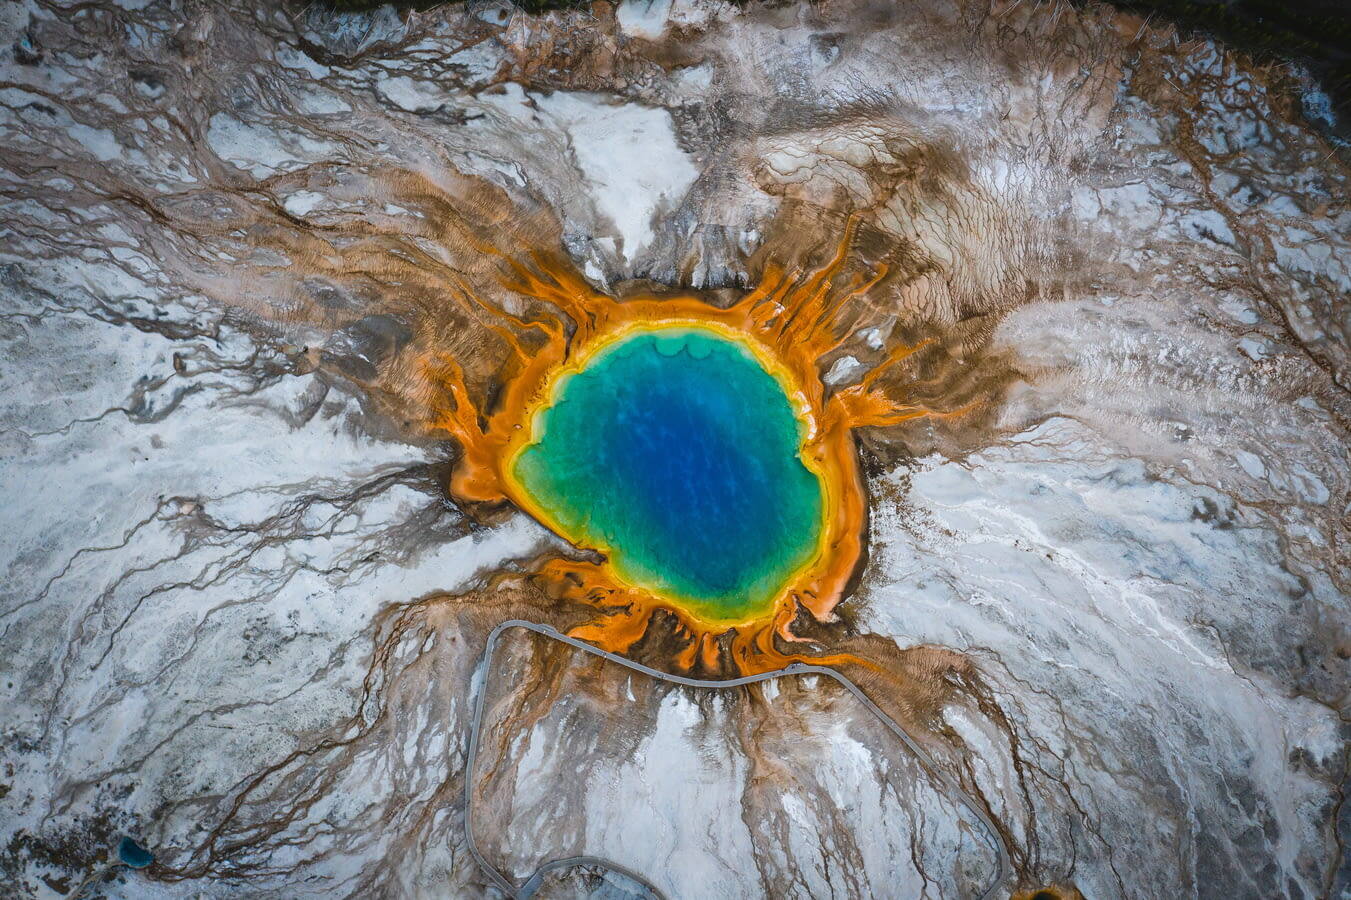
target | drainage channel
[{"x": 533, "y": 883}]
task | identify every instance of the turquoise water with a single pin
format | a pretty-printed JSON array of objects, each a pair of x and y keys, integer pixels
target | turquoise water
[
  {"x": 678, "y": 452},
  {"x": 133, "y": 854}
]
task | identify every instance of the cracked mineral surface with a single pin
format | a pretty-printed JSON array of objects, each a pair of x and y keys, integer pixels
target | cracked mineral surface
[{"x": 1104, "y": 580}]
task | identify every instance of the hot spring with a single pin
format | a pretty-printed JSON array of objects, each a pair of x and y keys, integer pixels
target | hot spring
[{"x": 675, "y": 452}]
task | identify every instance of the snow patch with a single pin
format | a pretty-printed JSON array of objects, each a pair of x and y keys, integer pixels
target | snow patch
[
  {"x": 630, "y": 156},
  {"x": 643, "y": 18}
]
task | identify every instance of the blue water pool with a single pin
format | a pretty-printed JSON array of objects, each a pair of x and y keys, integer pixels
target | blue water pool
[{"x": 676, "y": 453}]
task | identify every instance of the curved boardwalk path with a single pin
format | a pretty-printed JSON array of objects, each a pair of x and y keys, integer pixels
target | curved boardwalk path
[{"x": 796, "y": 669}]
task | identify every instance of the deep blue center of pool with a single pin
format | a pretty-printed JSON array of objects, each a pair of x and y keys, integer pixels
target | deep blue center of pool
[{"x": 677, "y": 454}]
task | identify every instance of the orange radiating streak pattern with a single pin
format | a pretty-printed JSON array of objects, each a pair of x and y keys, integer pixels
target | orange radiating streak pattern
[{"x": 791, "y": 319}]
